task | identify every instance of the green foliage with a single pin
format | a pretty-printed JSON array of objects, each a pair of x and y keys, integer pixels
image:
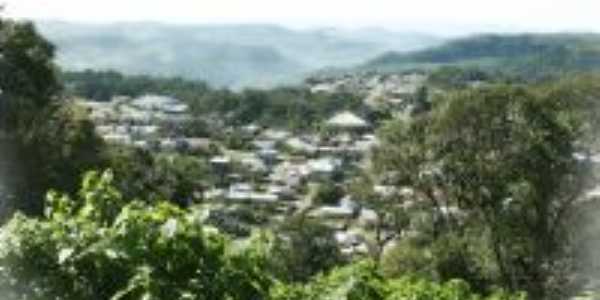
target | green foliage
[
  {"x": 27, "y": 74},
  {"x": 407, "y": 257},
  {"x": 455, "y": 77},
  {"x": 159, "y": 177},
  {"x": 527, "y": 56},
  {"x": 55, "y": 150},
  {"x": 447, "y": 258},
  {"x": 327, "y": 193},
  {"x": 361, "y": 281},
  {"x": 105, "y": 249},
  {"x": 293, "y": 108},
  {"x": 54, "y": 142},
  {"x": 104, "y": 85},
  {"x": 302, "y": 249},
  {"x": 503, "y": 156}
]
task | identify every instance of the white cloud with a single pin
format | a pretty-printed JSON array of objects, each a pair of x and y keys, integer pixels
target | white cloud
[{"x": 416, "y": 14}]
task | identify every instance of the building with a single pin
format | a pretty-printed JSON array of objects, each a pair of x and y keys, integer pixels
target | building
[{"x": 347, "y": 122}]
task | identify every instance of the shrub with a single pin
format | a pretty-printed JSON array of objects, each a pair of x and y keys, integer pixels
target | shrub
[{"x": 101, "y": 249}]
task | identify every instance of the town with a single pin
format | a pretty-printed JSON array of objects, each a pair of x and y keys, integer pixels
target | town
[
  {"x": 281, "y": 173},
  {"x": 265, "y": 162}
]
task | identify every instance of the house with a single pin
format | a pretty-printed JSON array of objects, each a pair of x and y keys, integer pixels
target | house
[
  {"x": 118, "y": 139},
  {"x": 299, "y": 145},
  {"x": 144, "y": 145},
  {"x": 275, "y": 135},
  {"x": 324, "y": 88},
  {"x": 244, "y": 192},
  {"x": 164, "y": 104},
  {"x": 282, "y": 191},
  {"x": 347, "y": 122},
  {"x": 168, "y": 144},
  {"x": 214, "y": 194},
  {"x": 368, "y": 218},
  {"x": 351, "y": 243},
  {"x": 332, "y": 212},
  {"x": 289, "y": 173},
  {"x": 251, "y": 129},
  {"x": 222, "y": 166},
  {"x": 268, "y": 156},
  {"x": 264, "y": 144},
  {"x": 324, "y": 168},
  {"x": 195, "y": 144},
  {"x": 346, "y": 209},
  {"x": 254, "y": 163}
]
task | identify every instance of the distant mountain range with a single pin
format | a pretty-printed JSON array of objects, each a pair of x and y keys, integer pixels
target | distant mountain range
[
  {"x": 228, "y": 55},
  {"x": 527, "y": 55}
]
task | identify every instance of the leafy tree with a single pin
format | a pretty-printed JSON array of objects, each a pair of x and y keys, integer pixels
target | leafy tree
[
  {"x": 103, "y": 246},
  {"x": 54, "y": 141},
  {"x": 99, "y": 247},
  {"x": 504, "y": 156},
  {"x": 104, "y": 85},
  {"x": 328, "y": 193},
  {"x": 362, "y": 281},
  {"x": 302, "y": 249},
  {"x": 28, "y": 83},
  {"x": 393, "y": 217},
  {"x": 159, "y": 177}
]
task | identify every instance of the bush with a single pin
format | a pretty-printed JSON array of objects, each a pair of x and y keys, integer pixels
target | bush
[
  {"x": 102, "y": 249},
  {"x": 361, "y": 281},
  {"x": 408, "y": 258},
  {"x": 302, "y": 249},
  {"x": 447, "y": 258},
  {"x": 328, "y": 193}
]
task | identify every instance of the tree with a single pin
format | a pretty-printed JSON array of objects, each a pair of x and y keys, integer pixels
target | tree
[
  {"x": 302, "y": 249},
  {"x": 362, "y": 281},
  {"x": 328, "y": 193},
  {"x": 422, "y": 103},
  {"x": 55, "y": 151},
  {"x": 102, "y": 246},
  {"x": 158, "y": 177},
  {"x": 505, "y": 156},
  {"x": 54, "y": 141},
  {"x": 28, "y": 83},
  {"x": 393, "y": 217}
]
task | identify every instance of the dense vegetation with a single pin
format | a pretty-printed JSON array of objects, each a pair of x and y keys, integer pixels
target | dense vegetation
[
  {"x": 50, "y": 137},
  {"x": 530, "y": 56},
  {"x": 494, "y": 209},
  {"x": 514, "y": 181},
  {"x": 99, "y": 247},
  {"x": 104, "y": 85},
  {"x": 286, "y": 107}
]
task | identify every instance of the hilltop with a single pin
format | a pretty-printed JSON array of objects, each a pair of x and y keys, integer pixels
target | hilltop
[
  {"x": 223, "y": 55},
  {"x": 528, "y": 55}
]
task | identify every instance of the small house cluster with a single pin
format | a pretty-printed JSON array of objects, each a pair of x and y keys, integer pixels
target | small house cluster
[
  {"x": 276, "y": 173},
  {"x": 150, "y": 122},
  {"x": 378, "y": 89}
]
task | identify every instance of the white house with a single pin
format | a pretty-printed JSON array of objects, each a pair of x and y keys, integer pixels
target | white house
[{"x": 347, "y": 121}]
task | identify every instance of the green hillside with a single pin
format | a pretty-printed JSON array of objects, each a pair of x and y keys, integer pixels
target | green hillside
[
  {"x": 222, "y": 55},
  {"x": 524, "y": 54}
]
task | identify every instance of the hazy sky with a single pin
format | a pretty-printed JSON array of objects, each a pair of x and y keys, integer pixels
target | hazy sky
[{"x": 418, "y": 15}]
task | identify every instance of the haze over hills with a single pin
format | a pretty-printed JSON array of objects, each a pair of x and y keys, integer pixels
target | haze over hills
[
  {"x": 522, "y": 54},
  {"x": 223, "y": 55}
]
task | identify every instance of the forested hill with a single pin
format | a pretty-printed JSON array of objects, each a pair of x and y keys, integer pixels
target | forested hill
[
  {"x": 222, "y": 55},
  {"x": 525, "y": 54}
]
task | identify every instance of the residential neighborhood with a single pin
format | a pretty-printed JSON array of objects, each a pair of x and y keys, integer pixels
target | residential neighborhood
[{"x": 281, "y": 171}]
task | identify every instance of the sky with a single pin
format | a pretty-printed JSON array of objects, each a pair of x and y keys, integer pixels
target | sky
[{"x": 436, "y": 16}]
